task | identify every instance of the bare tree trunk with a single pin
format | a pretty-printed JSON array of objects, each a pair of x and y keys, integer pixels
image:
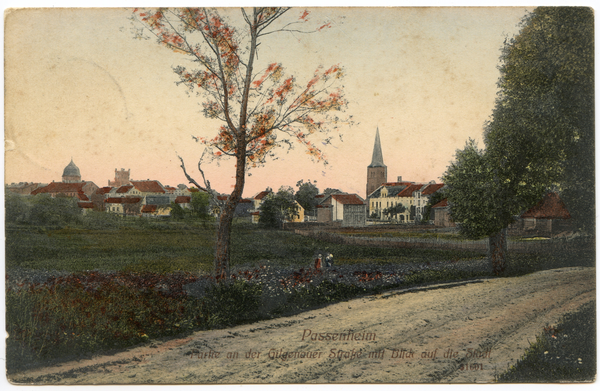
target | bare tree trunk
[
  {"x": 221, "y": 262},
  {"x": 496, "y": 251}
]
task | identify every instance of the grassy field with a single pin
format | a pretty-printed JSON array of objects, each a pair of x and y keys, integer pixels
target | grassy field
[
  {"x": 172, "y": 246},
  {"x": 407, "y": 235}
]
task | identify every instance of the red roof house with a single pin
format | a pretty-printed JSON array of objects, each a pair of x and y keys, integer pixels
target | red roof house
[
  {"x": 148, "y": 186},
  {"x": 550, "y": 207},
  {"x": 71, "y": 189},
  {"x": 547, "y": 218}
]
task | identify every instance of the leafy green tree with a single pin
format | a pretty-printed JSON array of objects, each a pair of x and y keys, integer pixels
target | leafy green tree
[
  {"x": 434, "y": 199},
  {"x": 177, "y": 212},
  {"x": 54, "y": 212},
  {"x": 542, "y": 130},
  {"x": 394, "y": 210},
  {"x": 477, "y": 203},
  {"x": 541, "y": 134},
  {"x": 199, "y": 204},
  {"x": 278, "y": 208},
  {"x": 16, "y": 209},
  {"x": 307, "y": 191}
]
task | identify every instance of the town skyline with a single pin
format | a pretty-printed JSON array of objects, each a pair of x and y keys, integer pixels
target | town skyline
[{"x": 72, "y": 92}]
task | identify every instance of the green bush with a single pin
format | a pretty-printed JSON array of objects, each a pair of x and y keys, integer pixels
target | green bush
[
  {"x": 232, "y": 302},
  {"x": 325, "y": 293},
  {"x": 89, "y": 312},
  {"x": 101, "y": 220}
]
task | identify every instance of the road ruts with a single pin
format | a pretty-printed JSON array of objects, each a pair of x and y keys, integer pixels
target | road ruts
[{"x": 493, "y": 320}]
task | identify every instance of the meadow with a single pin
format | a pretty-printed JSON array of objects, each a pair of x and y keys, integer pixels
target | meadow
[{"x": 188, "y": 246}]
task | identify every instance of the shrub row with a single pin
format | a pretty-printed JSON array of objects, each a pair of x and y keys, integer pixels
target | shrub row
[{"x": 90, "y": 312}]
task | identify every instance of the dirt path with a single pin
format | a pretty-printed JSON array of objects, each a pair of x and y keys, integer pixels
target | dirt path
[{"x": 450, "y": 333}]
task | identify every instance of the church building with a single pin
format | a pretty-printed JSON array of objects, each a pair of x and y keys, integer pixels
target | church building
[
  {"x": 376, "y": 171},
  {"x": 71, "y": 185}
]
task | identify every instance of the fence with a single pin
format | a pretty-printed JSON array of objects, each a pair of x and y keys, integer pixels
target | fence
[{"x": 528, "y": 246}]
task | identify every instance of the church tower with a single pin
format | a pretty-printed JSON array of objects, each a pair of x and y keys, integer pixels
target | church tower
[{"x": 376, "y": 171}]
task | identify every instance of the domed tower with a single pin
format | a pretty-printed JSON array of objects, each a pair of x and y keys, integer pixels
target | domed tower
[
  {"x": 376, "y": 171},
  {"x": 71, "y": 173}
]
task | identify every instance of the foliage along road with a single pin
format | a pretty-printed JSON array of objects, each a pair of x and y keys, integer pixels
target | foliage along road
[{"x": 458, "y": 333}]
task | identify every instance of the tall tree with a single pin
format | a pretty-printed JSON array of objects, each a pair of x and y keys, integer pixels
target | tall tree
[
  {"x": 199, "y": 204},
  {"x": 260, "y": 109},
  {"x": 307, "y": 191},
  {"x": 277, "y": 208},
  {"x": 476, "y": 201},
  {"x": 540, "y": 133}
]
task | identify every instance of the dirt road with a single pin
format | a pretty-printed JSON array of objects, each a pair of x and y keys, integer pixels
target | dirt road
[{"x": 448, "y": 333}]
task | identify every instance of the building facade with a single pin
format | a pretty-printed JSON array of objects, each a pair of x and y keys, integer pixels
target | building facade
[{"x": 401, "y": 202}]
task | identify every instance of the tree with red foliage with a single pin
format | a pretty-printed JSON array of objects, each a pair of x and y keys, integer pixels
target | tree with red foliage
[{"x": 260, "y": 109}]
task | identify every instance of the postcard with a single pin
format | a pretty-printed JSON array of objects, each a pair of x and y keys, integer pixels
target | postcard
[{"x": 325, "y": 195}]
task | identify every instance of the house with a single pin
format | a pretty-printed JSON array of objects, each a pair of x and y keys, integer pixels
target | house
[
  {"x": 547, "y": 218},
  {"x": 440, "y": 214},
  {"x": 165, "y": 199},
  {"x": 349, "y": 209},
  {"x": 412, "y": 196},
  {"x": 23, "y": 188},
  {"x": 85, "y": 206},
  {"x": 299, "y": 216},
  {"x": 155, "y": 211},
  {"x": 170, "y": 189},
  {"x": 148, "y": 187},
  {"x": 151, "y": 192},
  {"x": 423, "y": 195},
  {"x": 99, "y": 196},
  {"x": 84, "y": 203},
  {"x": 182, "y": 190},
  {"x": 126, "y": 191},
  {"x": 126, "y": 206},
  {"x": 183, "y": 201},
  {"x": 244, "y": 207},
  {"x": 69, "y": 189},
  {"x": 257, "y": 200},
  {"x": 391, "y": 194}
]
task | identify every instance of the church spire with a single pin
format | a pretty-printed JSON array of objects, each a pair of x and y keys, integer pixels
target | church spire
[{"x": 377, "y": 160}]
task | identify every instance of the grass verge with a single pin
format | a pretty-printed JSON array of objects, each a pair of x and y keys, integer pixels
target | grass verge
[{"x": 562, "y": 353}]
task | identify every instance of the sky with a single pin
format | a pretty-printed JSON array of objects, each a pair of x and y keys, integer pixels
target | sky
[{"x": 79, "y": 86}]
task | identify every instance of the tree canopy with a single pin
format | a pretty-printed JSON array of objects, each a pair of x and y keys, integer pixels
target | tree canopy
[
  {"x": 541, "y": 133},
  {"x": 394, "y": 210},
  {"x": 278, "y": 208},
  {"x": 305, "y": 195}
]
